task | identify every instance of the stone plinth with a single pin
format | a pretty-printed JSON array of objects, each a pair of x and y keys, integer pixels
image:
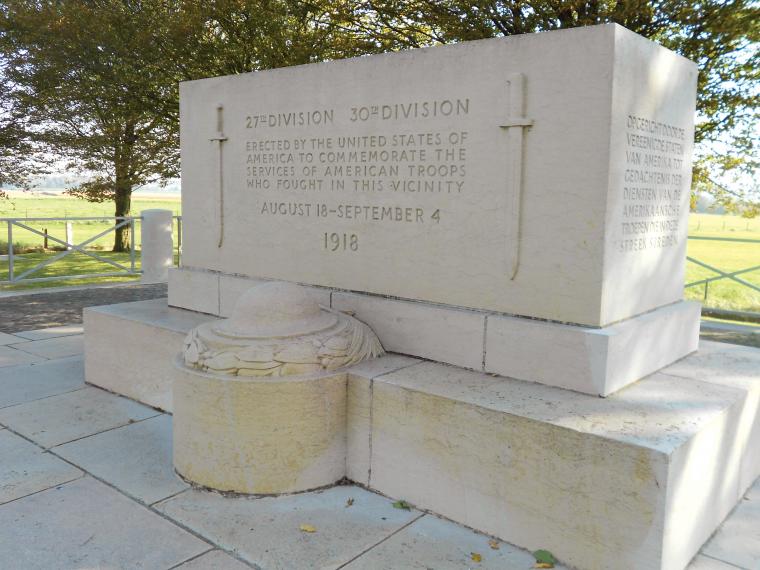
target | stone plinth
[
  {"x": 639, "y": 480},
  {"x": 642, "y": 477},
  {"x": 591, "y": 360},
  {"x": 260, "y": 398}
]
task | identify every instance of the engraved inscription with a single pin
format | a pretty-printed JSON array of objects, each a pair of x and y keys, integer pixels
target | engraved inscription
[
  {"x": 346, "y": 242},
  {"x": 347, "y": 174},
  {"x": 653, "y": 185},
  {"x": 433, "y": 162}
]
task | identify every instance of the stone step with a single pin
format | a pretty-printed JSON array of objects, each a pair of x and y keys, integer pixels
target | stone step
[
  {"x": 640, "y": 479},
  {"x": 130, "y": 348}
]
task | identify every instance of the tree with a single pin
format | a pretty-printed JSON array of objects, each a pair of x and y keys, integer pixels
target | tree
[
  {"x": 97, "y": 86},
  {"x": 251, "y": 35},
  {"x": 99, "y": 80},
  {"x": 723, "y": 38},
  {"x": 14, "y": 146}
]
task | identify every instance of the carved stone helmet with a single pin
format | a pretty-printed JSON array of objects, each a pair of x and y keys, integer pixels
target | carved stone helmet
[{"x": 278, "y": 329}]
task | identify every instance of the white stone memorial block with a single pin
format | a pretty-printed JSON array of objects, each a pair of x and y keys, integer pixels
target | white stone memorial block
[{"x": 541, "y": 175}]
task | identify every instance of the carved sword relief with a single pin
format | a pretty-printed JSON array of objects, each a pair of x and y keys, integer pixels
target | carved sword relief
[
  {"x": 515, "y": 125},
  {"x": 219, "y": 139}
]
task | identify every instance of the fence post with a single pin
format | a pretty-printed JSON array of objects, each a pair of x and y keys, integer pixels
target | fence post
[
  {"x": 132, "y": 244},
  {"x": 157, "y": 254},
  {"x": 69, "y": 235},
  {"x": 10, "y": 251},
  {"x": 179, "y": 241}
]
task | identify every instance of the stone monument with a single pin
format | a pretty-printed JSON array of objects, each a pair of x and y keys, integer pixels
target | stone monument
[
  {"x": 509, "y": 217},
  {"x": 515, "y": 206}
]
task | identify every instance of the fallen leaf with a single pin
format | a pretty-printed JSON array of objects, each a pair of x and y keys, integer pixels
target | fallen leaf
[
  {"x": 544, "y": 559},
  {"x": 308, "y": 528},
  {"x": 402, "y": 505},
  {"x": 494, "y": 544},
  {"x": 476, "y": 557},
  {"x": 349, "y": 502}
]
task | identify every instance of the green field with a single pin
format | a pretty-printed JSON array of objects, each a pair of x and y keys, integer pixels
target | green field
[
  {"x": 67, "y": 207},
  {"x": 29, "y": 246},
  {"x": 726, "y": 256}
]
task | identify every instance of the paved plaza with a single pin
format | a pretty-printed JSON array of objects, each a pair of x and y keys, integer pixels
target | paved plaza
[{"x": 86, "y": 481}]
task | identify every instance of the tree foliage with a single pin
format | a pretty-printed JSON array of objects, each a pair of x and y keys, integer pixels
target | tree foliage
[
  {"x": 250, "y": 35},
  {"x": 15, "y": 150},
  {"x": 721, "y": 37},
  {"x": 97, "y": 90}
]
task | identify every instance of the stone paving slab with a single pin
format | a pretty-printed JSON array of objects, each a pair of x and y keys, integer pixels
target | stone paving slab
[
  {"x": 26, "y": 469},
  {"x": 21, "y": 384},
  {"x": 12, "y": 357},
  {"x": 66, "y": 417},
  {"x": 50, "y": 332},
  {"x": 6, "y": 338},
  {"x": 701, "y": 562},
  {"x": 266, "y": 531},
  {"x": 86, "y": 525},
  {"x": 737, "y": 541},
  {"x": 136, "y": 459},
  {"x": 214, "y": 560},
  {"x": 431, "y": 542},
  {"x": 58, "y": 347}
]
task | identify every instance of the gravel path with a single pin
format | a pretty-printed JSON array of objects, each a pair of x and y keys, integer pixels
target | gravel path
[{"x": 41, "y": 310}]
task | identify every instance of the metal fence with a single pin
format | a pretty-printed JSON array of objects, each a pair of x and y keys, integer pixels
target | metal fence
[
  {"x": 70, "y": 247},
  {"x": 720, "y": 275}
]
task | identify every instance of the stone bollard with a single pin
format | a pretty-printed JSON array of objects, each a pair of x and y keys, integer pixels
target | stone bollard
[
  {"x": 260, "y": 398},
  {"x": 157, "y": 245}
]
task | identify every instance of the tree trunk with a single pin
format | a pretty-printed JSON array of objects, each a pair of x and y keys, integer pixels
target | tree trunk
[
  {"x": 123, "y": 169},
  {"x": 123, "y": 200}
]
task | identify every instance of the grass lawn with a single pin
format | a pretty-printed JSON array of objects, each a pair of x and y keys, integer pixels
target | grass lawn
[
  {"x": 72, "y": 264},
  {"x": 726, "y": 256}
]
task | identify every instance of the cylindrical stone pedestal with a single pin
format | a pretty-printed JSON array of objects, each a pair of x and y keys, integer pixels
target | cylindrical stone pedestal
[
  {"x": 259, "y": 435},
  {"x": 260, "y": 398},
  {"x": 157, "y": 254}
]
